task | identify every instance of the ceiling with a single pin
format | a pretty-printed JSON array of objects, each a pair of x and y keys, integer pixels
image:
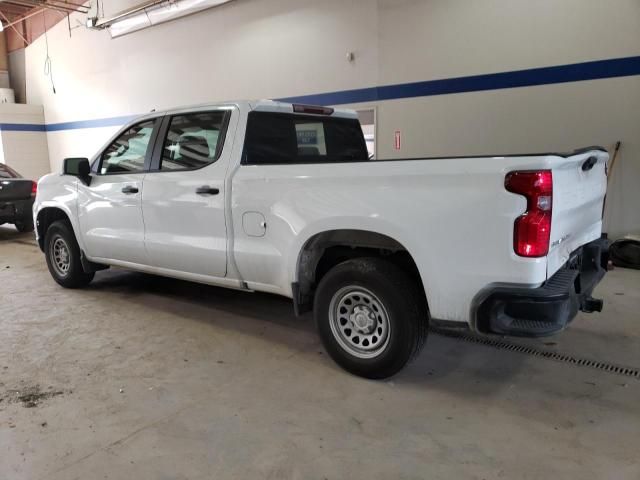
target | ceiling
[
  {"x": 14, "y": 10},
  {"x": 25, "y": 20}
]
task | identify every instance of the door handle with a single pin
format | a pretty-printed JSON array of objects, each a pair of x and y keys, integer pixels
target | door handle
[
  {"x": 207, "y": 190},
  {"x": 128, "y": 189}
]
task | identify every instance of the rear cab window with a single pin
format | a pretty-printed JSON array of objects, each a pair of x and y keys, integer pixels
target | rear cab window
[{"x": 282, "y": 138}]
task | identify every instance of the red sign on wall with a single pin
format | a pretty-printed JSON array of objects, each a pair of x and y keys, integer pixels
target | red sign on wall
[{"x": 396, "y": 143}]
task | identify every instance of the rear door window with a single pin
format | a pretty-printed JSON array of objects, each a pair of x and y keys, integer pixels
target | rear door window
[
  {"x": 193, "y": 140},
  {"x": 277, "y": 138}
]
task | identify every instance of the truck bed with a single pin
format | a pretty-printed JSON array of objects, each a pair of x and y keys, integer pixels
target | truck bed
[{"x": 453, "y": 214}]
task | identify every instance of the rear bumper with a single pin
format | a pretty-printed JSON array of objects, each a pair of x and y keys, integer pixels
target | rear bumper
[
  {"x": 12, "y": 211},
  {"x": 531, "y": 312}
]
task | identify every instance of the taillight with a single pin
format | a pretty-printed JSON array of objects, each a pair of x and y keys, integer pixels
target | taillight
[
  {"x": 34, "y": 189},
  {"x": 532, "y": 229}
]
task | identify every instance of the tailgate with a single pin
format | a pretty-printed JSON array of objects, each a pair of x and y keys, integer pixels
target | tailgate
[
  {"x": 579, "y": 187},
  {"x": 15, "y": 189}
]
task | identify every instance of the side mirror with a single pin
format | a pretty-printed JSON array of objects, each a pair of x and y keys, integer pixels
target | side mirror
[{"x": 78, "y": 167}]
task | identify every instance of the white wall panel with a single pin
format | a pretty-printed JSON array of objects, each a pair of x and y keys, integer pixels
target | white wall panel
[
  {"x": 430, "y": 39},
  {"x": 76, "y": 143},
  {"x": 26, "y": 152},
  {"x": 244, "y": 49}
]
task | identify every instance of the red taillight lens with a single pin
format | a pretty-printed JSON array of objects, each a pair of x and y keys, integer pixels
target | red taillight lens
[
  {"x": 34, "y": 189},
  {"x": 532, "y": 230}
]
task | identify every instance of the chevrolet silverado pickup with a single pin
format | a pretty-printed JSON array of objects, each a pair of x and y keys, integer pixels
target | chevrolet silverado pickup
[{"x": 281, "y": 198}]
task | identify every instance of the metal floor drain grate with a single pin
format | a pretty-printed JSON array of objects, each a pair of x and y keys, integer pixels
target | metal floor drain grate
[{"x": 559, "y": 357}]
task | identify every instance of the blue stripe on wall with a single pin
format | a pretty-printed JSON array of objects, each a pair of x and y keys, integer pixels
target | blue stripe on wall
[
  {"x": 22, "y": 127},
  {"x": 575, "y": 72},
  {"x": 99, "y": 122},
  {"x": 617, "y": 67},
  {"x": 55, "y": 127}
]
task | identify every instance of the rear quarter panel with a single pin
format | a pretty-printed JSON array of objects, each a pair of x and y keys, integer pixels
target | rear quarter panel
[{"x": 454, "y": 216}]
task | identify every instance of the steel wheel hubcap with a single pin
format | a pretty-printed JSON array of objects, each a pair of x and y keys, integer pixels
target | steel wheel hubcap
[
  {"x": 60, "y": 256},
  {"x": 359, "y": 322}
]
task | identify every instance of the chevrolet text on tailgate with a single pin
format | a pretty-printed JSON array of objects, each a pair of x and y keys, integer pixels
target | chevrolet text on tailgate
[{"x": 281, "y": 198}]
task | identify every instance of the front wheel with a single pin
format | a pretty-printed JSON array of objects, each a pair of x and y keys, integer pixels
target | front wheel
[
  {"x": 371, "y": 317},
  {"x": 63, "y": 256}
]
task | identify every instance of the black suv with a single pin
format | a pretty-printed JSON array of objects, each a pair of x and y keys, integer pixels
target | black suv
[{"x": 16, "y": 199}]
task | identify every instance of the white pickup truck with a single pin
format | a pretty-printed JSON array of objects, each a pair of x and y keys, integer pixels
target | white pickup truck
[{"x": 281, "y": 198}]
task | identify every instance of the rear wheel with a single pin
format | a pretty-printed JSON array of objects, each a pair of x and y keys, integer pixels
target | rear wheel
[
  {"x": 63, "y": 256},
  {"x": 371, "y": 316}
]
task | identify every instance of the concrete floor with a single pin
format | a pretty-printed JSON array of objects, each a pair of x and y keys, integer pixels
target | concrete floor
[{"x": 145, "y": 377}]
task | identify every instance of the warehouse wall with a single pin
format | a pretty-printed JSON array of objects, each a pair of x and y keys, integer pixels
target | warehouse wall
[
  {"x": 17, "y": 78},
  {"x": 23, "y": 141},
  {"x": 284, "y": 48}
]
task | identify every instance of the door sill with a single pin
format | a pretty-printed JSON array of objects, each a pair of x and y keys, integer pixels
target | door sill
[{"x": 166, "y": 272}]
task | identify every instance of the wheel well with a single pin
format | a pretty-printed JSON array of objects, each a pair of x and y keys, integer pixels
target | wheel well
[
  {"x": 46, "y": 217},
  {"x": 325, "y": 250}
]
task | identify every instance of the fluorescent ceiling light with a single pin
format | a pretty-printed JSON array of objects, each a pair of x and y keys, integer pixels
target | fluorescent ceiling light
[
  {"x": 129, "y": 24},
  {"x": 156, "y": 13}
]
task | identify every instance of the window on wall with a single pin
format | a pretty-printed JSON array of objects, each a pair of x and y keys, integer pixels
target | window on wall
[
  {"x": 276, "y": 138},
  {"x": 310, "y": 138},
  {"x": 193, "y": 140},
  {"x": 127, "y": 153},
  {"x": 367, "y": 122}
]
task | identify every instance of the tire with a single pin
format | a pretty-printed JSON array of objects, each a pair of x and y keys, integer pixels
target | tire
[
  {"x": 63, "y": 256},
  {"x": 371, "y": 316},
  {"x": 25, "y": 226}
]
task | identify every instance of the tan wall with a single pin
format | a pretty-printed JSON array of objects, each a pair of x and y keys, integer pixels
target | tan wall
[
  {"x": 26, "y": 152},
  {"x": 4, "y": 62},
  {"x": 17, "y": 75}
]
